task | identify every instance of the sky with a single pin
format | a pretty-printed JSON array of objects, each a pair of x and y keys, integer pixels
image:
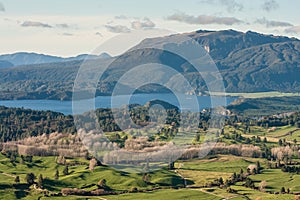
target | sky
[{"x": 71, "y": 27}]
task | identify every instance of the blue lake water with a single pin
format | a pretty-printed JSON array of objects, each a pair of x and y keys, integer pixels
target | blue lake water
[{"x": 184, "y": 102}]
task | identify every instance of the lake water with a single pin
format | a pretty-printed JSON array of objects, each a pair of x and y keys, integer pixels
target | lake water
[{"x": 184, "y": 102}]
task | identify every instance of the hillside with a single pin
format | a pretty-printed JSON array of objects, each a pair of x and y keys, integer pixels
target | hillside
[
  {"x": 249, "y": 62},
  {"x": 265, "y": 106}
]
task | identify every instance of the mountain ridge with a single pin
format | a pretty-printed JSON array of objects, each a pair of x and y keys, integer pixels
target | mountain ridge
[
  {"x": 248, "y": 62},
  {"x": 28, "y": 58}
]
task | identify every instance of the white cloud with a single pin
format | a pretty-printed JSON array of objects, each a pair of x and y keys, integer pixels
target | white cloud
[
  {"x": 146, "y": 23},
  {"x": 271, "y": 23},
  {"x": 121, "y": 17},
  {"x": 294, "y": 29},
  {"x": 35, "y": 24},
  {"x": 63, "y": 25},
  {"x": 203, "y": 19},
  {"x": 68, "y": 34},
  {"x": 117, "y": 29}
]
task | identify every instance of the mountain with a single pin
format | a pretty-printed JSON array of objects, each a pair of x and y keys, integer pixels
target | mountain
[
  {"x": 5, "y": 64},
  {"x": 23, "y": 58},
  {"x": 248, "y": 62}
]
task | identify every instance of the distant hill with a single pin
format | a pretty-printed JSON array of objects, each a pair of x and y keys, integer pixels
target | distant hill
[
  {"x": 23, "y": 58},
  {"x": 164, "y": 104},
  {"x": 265, "y": 106},
  {"x": 248, "y": 62}
]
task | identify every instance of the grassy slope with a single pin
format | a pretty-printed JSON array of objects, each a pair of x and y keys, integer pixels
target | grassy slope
[
  {"x": 79, "y": 176},
  {"x": 183, "y": 194},
  {"x": 194, "y": 170},
  {"x": 274, "y": 179}
]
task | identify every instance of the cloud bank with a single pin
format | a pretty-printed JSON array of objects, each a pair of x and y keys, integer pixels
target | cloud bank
[
  {"x": 270, "y": 23},
  {"x": 117, "y": 29},
  {"x": 35, "y": 24},
  {"x": 294, "y": 29},
  {"x": 203, "y": 19},
  {"x": 62, "y": 25},
  {"x": 146, "y": 23}
]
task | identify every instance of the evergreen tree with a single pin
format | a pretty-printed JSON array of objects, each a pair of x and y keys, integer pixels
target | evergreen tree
[
  {"x": 221, "y": 181},
  {"x": 56, "y": 176},
  {"x": 17, "y": 179},
  {"x": 249, "y": 183},
  {"x": 66, "y": 170},
  {"x": 280, "y": 142},
  {"x": 30, "y": 178},
  {"x": 40, "y": 181}
]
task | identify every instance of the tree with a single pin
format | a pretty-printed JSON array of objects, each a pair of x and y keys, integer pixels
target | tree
[
  {"x": 280, "y": 142},
  {"x": 221, "y": 181},
  {"x": 241, "y": 172},
  {"x": 265, "y": 140},
  {"x": 282, "y": 191},
  {"x": 234, "y": 176},
  {"x": 258, "y": 167},
  {"x": 146, "y": 178},
  {"x": 102, "y": 183},
  {"x": 262, "y": 186},
  {"x": 17, "y": 179},
  {"x": 249, "y": 183},
  {"x": 197, "y": 138},
  {"x": 230, "y": 190},
  {"x": 248, "y": 141},
  {"x": 171, "y": 165},
  {"x": 30, "y": 178},
  {"x": 40, "y": 181},
  {"x": 56, "y": 176},
  {"x": 66, "y": 170},
  {"x": 61, "y": 160},
  {"x": 93, "y": 164},
  {"x": 254, "y": 171},
  {"x": 13, "y": 157}
]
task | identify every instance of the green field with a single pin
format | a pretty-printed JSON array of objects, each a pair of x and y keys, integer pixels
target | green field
[
  {"x": 196, "y": 172},
  {"x": 254, "y": 194},
  {"x": 79, "y": 176},
  {"x": 274, "y": 183},
  {"x": 228, "y": 164},
  {"x": 183, "y": 194}
]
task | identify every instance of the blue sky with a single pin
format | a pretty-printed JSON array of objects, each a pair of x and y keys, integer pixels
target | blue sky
[{"x": 67, "y": 28}]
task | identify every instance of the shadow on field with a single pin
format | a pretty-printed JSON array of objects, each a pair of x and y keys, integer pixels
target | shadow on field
[
  {"x": 53, "y": 185},
  {"x": 5, "y": 186},
  {"x": 21, "y": 194}
]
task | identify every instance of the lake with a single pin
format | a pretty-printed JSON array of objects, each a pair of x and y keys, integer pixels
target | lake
[{"x": 118, "y": 101}]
